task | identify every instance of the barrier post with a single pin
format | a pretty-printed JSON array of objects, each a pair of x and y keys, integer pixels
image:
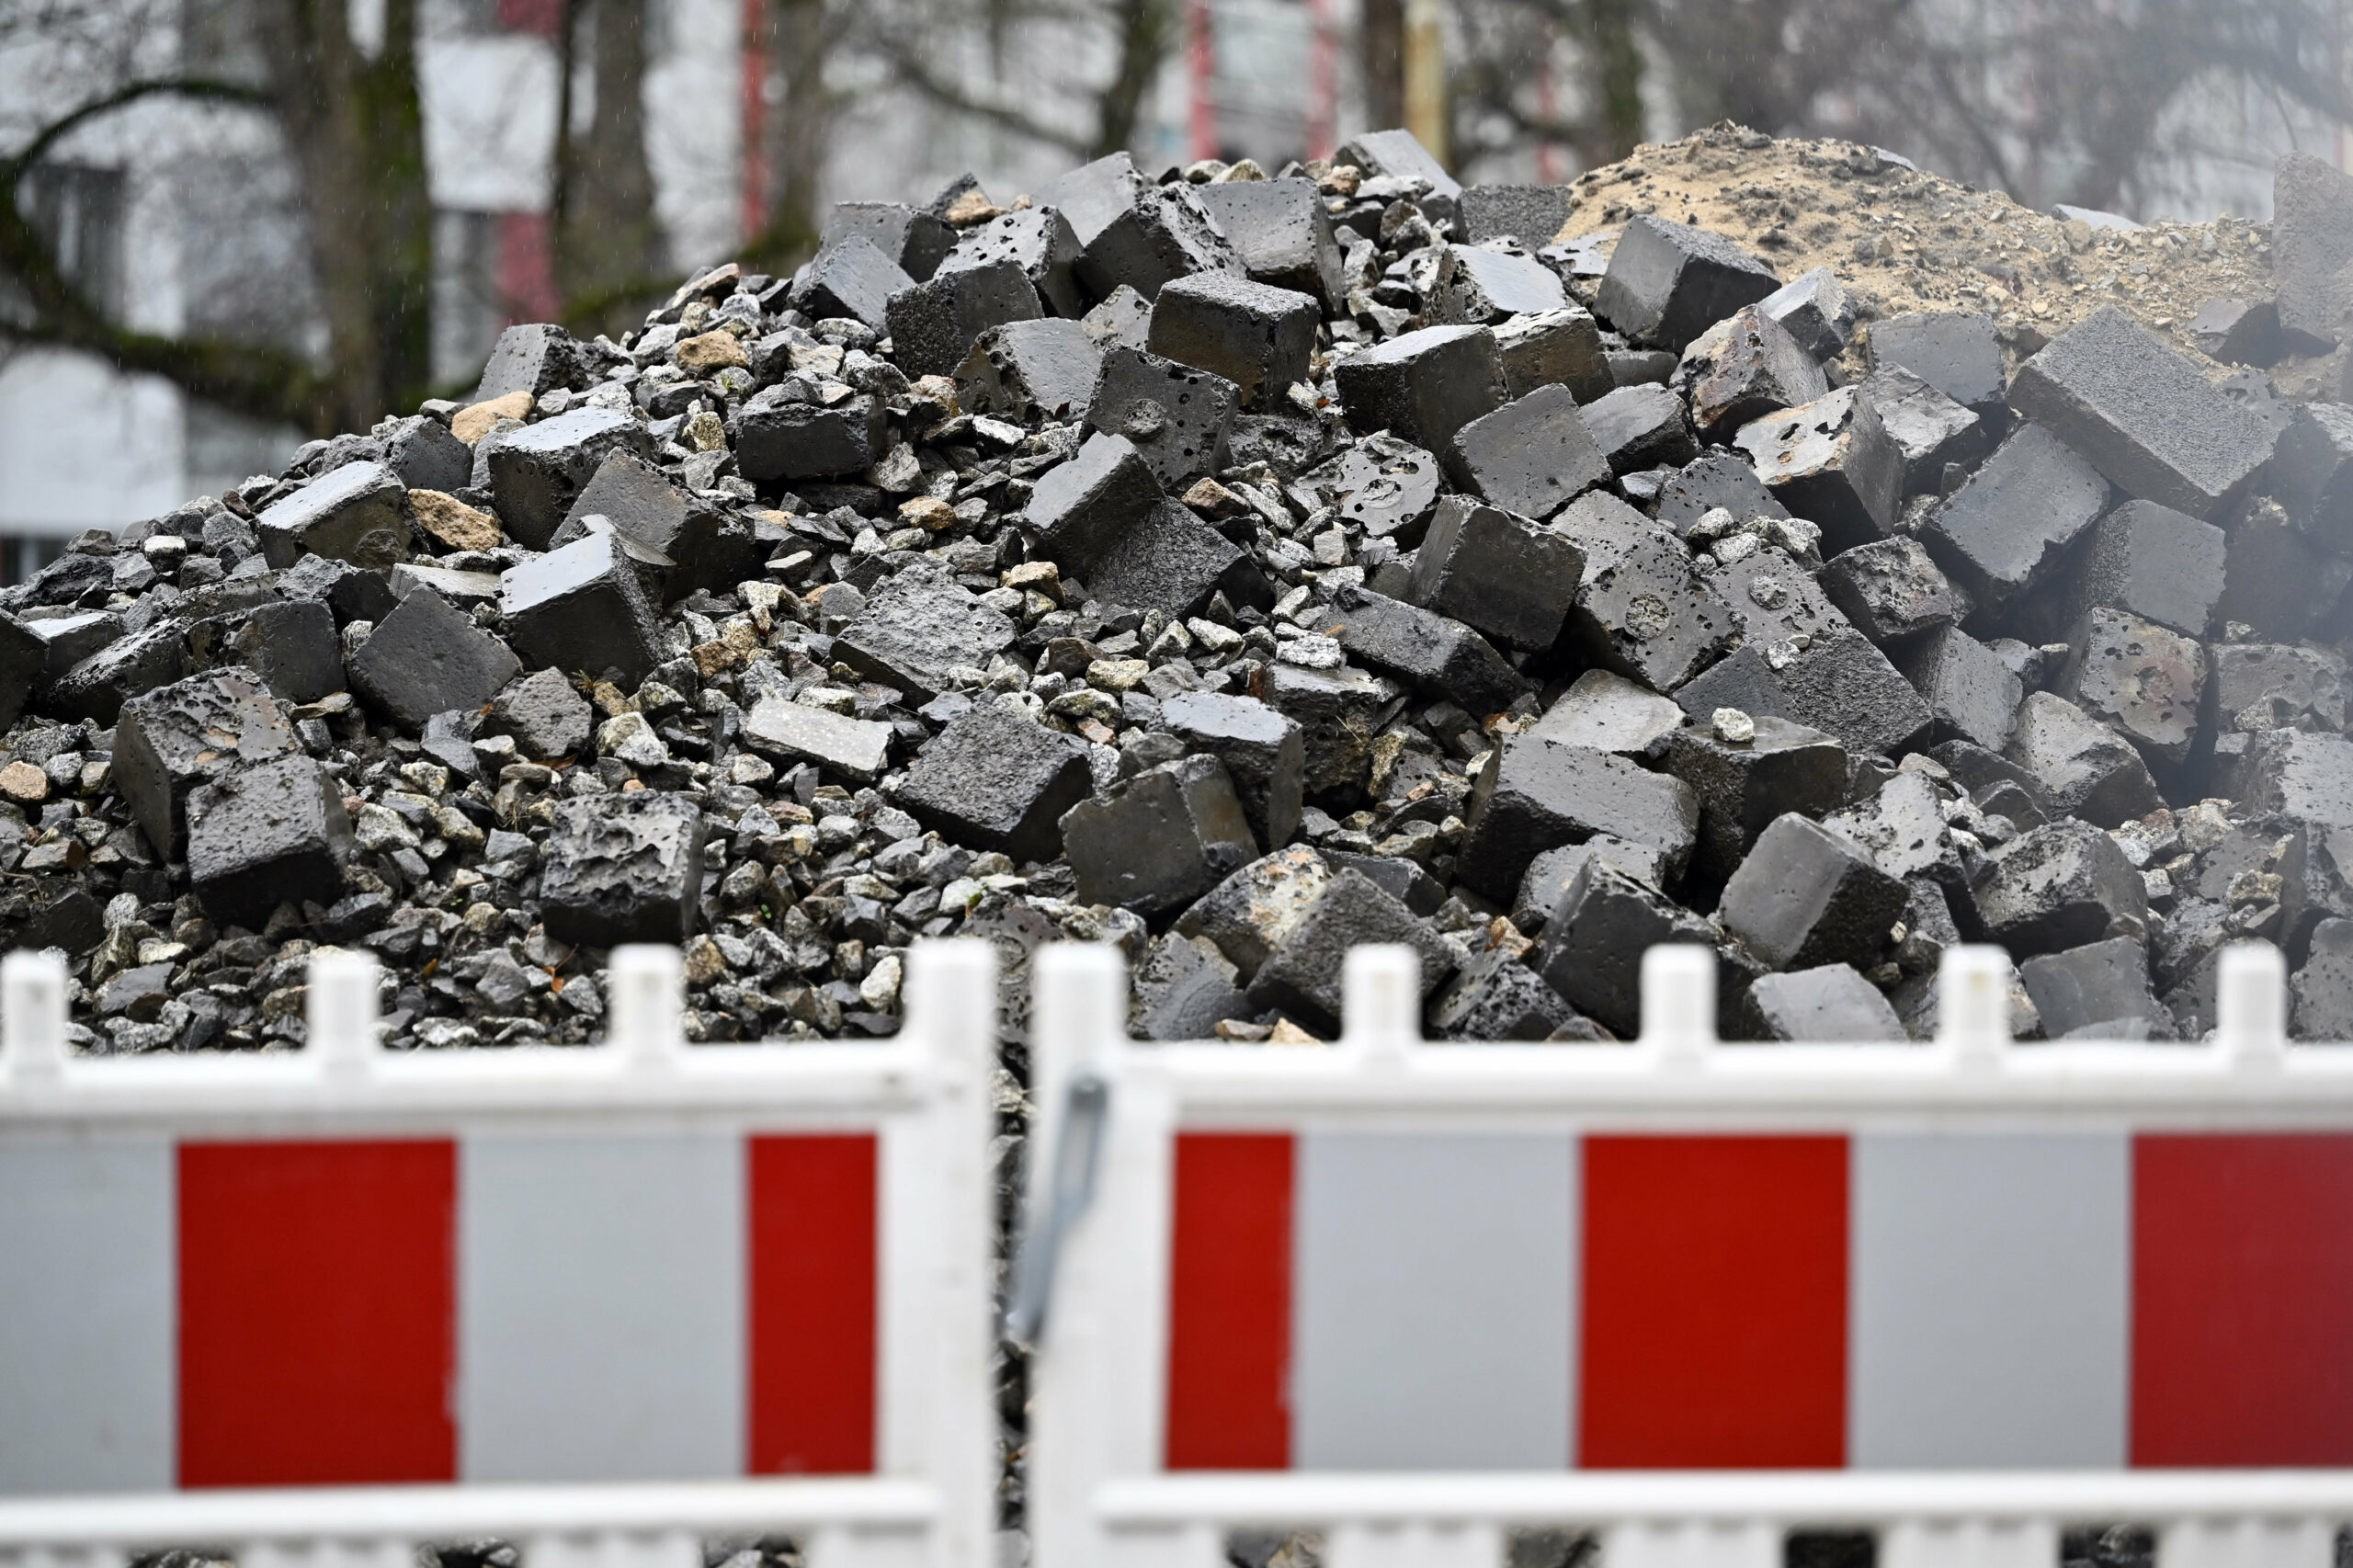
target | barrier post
[
  {"x": 340, "y": 1011},
  {"x": 647, "y": 1004},
  {"x": 32, "y": 1012},
  {"x": 1678, "y": 1002},
  {"x": 1380, "y": 1000},
  {"x": 1973, "y": 1004},
  {"x": 2251, "y": 1006}
]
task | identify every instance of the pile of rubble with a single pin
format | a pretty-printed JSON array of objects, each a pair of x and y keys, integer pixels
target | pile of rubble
[{"x": 1238, "y": 569}]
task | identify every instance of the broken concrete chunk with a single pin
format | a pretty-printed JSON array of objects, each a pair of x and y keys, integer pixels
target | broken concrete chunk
[
  {"x": 546, "y": 717},
  {"x": 1955, "y": 352},
  {"x": 853, "y": 277},
  {"x": 1256, "y": 336},
  {"x": 352, "y": 593},
  {"x": 1891, "y": 590},
  {"x": 2087, "y": 770},
  {"x": 2057, "y": 887},
  {"x": 1830, "y": 1003},
  {"x": 1816, "y": 309},
  {"x": 1668, "y": 282},
  {"x": 2009, "y": 527},
  {"x": 2100, "y": 990},
  {"x": 265, "y": 833},
  {"x": 1282, "y": 233},
  {"x": 777, "y": 439},
  {"x": 1039, "y": 241},
  {"x": 1929, "y": 428},
  {"x": 1338, "y": 713},
  {"x": 915, "y": 240},
  {"x": 1804, "y": 896},
  {"x": 1535, "y": 795},
  {"x": 1555, "y": 348},
  {"x": 1173, "y": 561},
  {"x": 857, "y": 749},
  {"x": 1479, "y": 284},
  {"x": 1254, "y": 912},
  {"x": 98, "y": 686},
  {"x": 172, "y": 739},
  {"x": 1604, "y": 711},
  {"x": 1163, "y": 234},
  {"x": 536, "y": 472},
  {"x": 532, "y": 359},
  {"x": 2276, "y": 578},
  {"x": 427, "y": 658},
  {"x": 1972, "y": 694},
  {"x": 1714, "y": 479},
  {"x": 1640, "y": 426},
  {"x": 1743, "y": 786},
  {"x": 1383, "y": 485},
  {"x": 1760, "y": 368},
  {"x": 933, "y": 324},
  {"x": 358, "y": 513},
  {"x": 1532, "y": 456},
  {"x": 2137, "y": 676},
  {"x": 581, "y": 608},
  {"x": 2312, "y": 474},
  {"x": 1833, "y": 462},
  {"x": 1176, "y": 417},
  {"x": 1638, "y": 608},
  {"x": 2154, "y": 563},
  {"x": 1496, "y": 997},
  {"x": 1156, "y": 842},
  {"x": 426, "y": 456},
  {"x": 1593, "y": 946},
  {"x": 997, "y": 780},
  {"x": 1552, "y": 874},
  {"x": 1264, "y": 753},
  {"x": 623, "y": 869},
  {"x": 2143, "y": 414},
  {"x": 917, "y": 625},
  {"x": 1092, "y": 195},
  {"x": 1079, "y": 508},
  {"x": 1303, "y": 977},
  {"x": 1436, "y": 653},
  {"x": 1498, "y": 573},
  {"x": 1423, "y": 386},
  {"x": 2312, "y": 242},
  {"x": 1029, "y": 369}
]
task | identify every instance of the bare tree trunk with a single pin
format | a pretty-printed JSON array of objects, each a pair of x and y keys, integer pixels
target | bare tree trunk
[
  {"x": 1381, "y": 55},
  {"x": 1147, "y": 30},
  {"x": 799, "y": 126},
  {"x": 608, "y": 245},
  {"x": 1614, "y": 61}
]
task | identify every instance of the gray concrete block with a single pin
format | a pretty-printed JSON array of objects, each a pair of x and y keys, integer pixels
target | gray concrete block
[
  {"x": 1972, "y": 693},
  {"x": 1484, "y": 287},
  {"x": 1173, "y": 561},
  {"x": 997, "y": 780},
  {"x": 2009, "y": 529},
  {"x": 358, "y": 513},
  {"x": 2238, "y": 332},
  {"x": 1079, "y": 508},
  {"x": 1926, "y": 426},
  {"x": 172, "y": 739},
  {"x": 1496, "y": 997},
  {"x": 776, "y": 438},
  {"x": 2321, "y": 996},
  {"x": 1741, "y": 787},
  {"x": 1090, "y": 196},
  {"x": 535, "y": 358},
  {"x": 292, "y": 646},
  {"x": 852, "y": 277},
  {"x": 2100, "y": 989},
  {"x": 624, "y": 867},
  {"x": 537, "y": 471},
  {"x": 427, "y": 658},
  {"x": 2087, "y": 770},
  {"x": 856, "y": 749},
  {"x": 1804, "y": 896},
  {"x": 1039, "y": 241},
  {"x": 1832, "y": 1002},
  {"x": 581, "y": 608},
  {"x": 1163, "y": 234},
  {"x": 1440, "y": 655},
  {"x": 1555, "y": 348},
  {"x": 1302, "y": 978},
  {"x": 1030, "y": 370},
  {"x": 2138, "y": 677},
  {"x": 1550, "y": 876},
  {"x": 1423, "y": 386},
  {"x": 1338, "y": 713},
  {"x": 1760, "y": 368},
  {"x": 2312, "y": 474},
  {"x": 918, "y": 624},
  {"x": 1668, "y": 282},
  {"x": 1381, "y": 485},
  {"x": 934, "y": 323},
  {"x": 1817, "y": 309},
  {"x": 546, "y": 717},
  {"x": 1254, "y": 912},
  {"x": 1713, "y": 479},
  {"x": 98, "y": 686},
  {"x": 1255, "y": 335},
  {"x": 913, "y": 239},
  {"x": 1891, "y": 590},
  {"x": 1532, "y": 456},
  {"x": 1840, "y": 684},
  {"x": 2152, "y": 561},
  {"x": 2277, "y": 579},
  {"x": 1955, "y": 352},
  {"x": 1593, "y": 945},
  {"x": 1156, "y": 842},
  {"x": 2312, "y": 242},
  {"x": 1498, "y": 573},
  {"x": 1282, "y": 233},
  {"x": 426, "y": 456},
  {"x": 1639, "y": 610},
  {"x": 1530, "y": 214},
  {"x": 2056, "y": 888},
  {"x": 352, "y": 593},
  {"x": 1265, "y": 755},
  {"x": 1176, "y": 417},
  {"x": 1831, "y": 463},
  {"x": 1640, "y": 426},
  {"x": 1535, "y": 795},
  {"x": 265, "y": 833}
]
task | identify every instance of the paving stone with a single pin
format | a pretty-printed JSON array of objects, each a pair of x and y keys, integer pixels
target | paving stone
[
  {"x": 2009, "y": 529},
  {"x": 2276, "y": 579},
  {"x": 1255, "y": 910},
  {"x": 1256, "y": 336},
  {"x": 581, "y": 608},
  {"x": 1039, "y": 241},
  {"x": 1926, "y": 426},
  {"x": 1163, "y": 234},
  {"x": 1902, "y": 828},
  {"x": 1593, "y": 945},
  {"x": 1303, "y": 977},
  {"x": 2312, "y": 242},
  {"x": 1282, "y": 233},
  {"x": 1892, "y": 591},
  {"x": 1532, "y": 456},
  {"x": 1550, "y": 876},
  {"x": 1338, "y": 713},
  {"x": 1554, "y": 347},
  {"x": 1774, "y": 600},
  {"x": 1955, "y": 352},
  {"x": 1080, "y": 508},
  {"x": 1173, "y": 561},
  {"x": 535, "y": 358},
  {"x": 2141, "y": 414},
  {"x": 1122, "y": 321},
  {"x": 857, "y": 749},
  {"x": 292, "y": 646},
  {"x": 2312, "y": 474},
  {"x": 1639, "y": 427},
  {"x": 1760, "y": 368},
  {"x": 1816, "y": 310},
  {"x": 2238, "y": 332},
  {"x": 623, "y": 869},
  {"x": 2056, "y": 888},
  {"x": 2287, "y": 688},
  {"x": 996, "y": 780},
  {"x": 916, "y": 626},
  {"x": 1482, "y": 286},
  {"x": 1840, "y": 685},
  {"x": 1639, "y": 610},
  {"x": 1092, "y": 195},
  {"x": 1668, "y": 282},
  {"x": 1496, "y": 997},
  {"x": 463, "y": 589},
  {"x": 1831, "y": 463},
  {"x": 1440, "y": 654},
  {"x": 1804, "y": 896},
  {"x": 97, "y": 689},
  {"x": 38, "y": 651},
  {"x": 1182, "y": 992},
  {"x": 536, "y": 472},
  {"x": 707, "y": 548},
  {"x": 1530, "y": 214},
  {"x": 263, "y": 834},
  {"x": 426, "y": 456},
  {"x": 173, "y": 738},
  {"x": 2154, "y": 563},
  {"x": 780, "y": 439},
  {"x": 1741, "y": 787},
  {"x": 1400, "y": 154},
  {"x": 2302, "y": 775},
  {"x": 1715, "y": 478},
  {"x": 1381, "y": 485},
  {"x": 427, "y": 658},
  {"x": 1032, "y": 371},
  {"x": 339, "y": 515},
  {"x": 352, "y": 593},
  {"x": 1402, "y": 878},
  {"x": 2321, "y": 996},
  {"x": 1156, "y": 842},
  {"x": 2138, "y": 677},
  {"x": 1176, "y": 417},
  {"x": 852, "y": 277},
  {"x": 1265, "y": 755},
  {"x": 933, "y": 324},
  {"x": 1830, "y": 1003},
  {"x": 2087, "y": 770},
  {"x": 546, "y": 717},
  {"x": 2098, "y": 989},
  {"x": 1425, "y": 385},
  {"x": 1972, "y": 693},
  {"x": 1604, "y": 711},
  {"x": 915, "y": 240},
  {"x": 1535, "y": 795},
  {"x": 1497, "y": 573}
]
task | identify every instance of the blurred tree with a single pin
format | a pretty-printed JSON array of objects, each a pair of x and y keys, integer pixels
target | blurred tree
[{"x": 609, "y": 253}]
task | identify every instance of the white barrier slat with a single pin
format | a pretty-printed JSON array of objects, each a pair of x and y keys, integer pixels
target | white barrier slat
[
  {"x": 861, "y": 1546},
  {"x": 1420, "y": 1544},
  {"x": 1969, "y": 1544},
  {"x": 1196, "y": 1545},
  {"x": 610, "y": 1549},
  {"x": 1692, "y": 1543},
  {"x": 2247, "y": 1543}
]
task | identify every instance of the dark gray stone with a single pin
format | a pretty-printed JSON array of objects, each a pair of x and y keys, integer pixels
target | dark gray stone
[
  {"x": 1639, "y": 610},
  {"x": 1972, "y": 693},
  {"x": 33, "y": 653},
  {"x": 1030, "y": 370},
  {"x": 2238, "y": 332},
  {"x": 856, "y": 749},
  {"x": 2321, "y": 996},
  {"x": 98, "y": 686},
  {"x": 1156, "y": 842},
  {"x": 581, "y": 609},
  {"x": 998, "y": 780},
  {"x": 1079, "y": 508},
  {"x": 1400, "y": 154},
  {"x": 1496, "y": 997},
  {"x": 1164, "y": 233},
  {"x": 1381, "y": 485},
  {"x": 852, "y": 277},
  {"x": 1760, "y": 368},
  {"x": 426, "y": 457},
  {"x": 1805, "y": 896},
  {"x": 707, "y": 548},
  {"x": 352, "y": 593},
  {"x": 2141, "y": 414},
  {"x": 2009, "y": 529},
  {"x": 266, "y": 834},
  {"x": 1830, "y": 1003},
  {"x": 546, "y": 717},
  {"x": 1593, "y": 946},
  {"x": 1668, "y": 282},
  {"x": 1831, "y": 463},
  {"x": 1182, "y": 992},
  {"x": 1535, "y": 795},
  {"x": 1338, "y": 713},
  {"x": 1302, "y": 978},
  {"x": 1265, "y": 755},
  {"x": 293, "y": 646},
  {"x": 2312, "y": 474},
  {"x": 1713, "y": 479},
  {"x": 2056, "y": 888},
  {"x": 1440, "y": 654},
  {"x": 1891, "y": 590},
  {"x": 1558, "y": 347},
  {"x": 1092, "y": 195},
  {"x": 1741, "y": 787},
  {"x": 1775, "y": 603},
  {"x": 1282, "y": 233},
  {"x": 1530, "y": 214},
  {"x": 1172, "y": 561},
  {"x": 1840, "y": 684},
  {"x": 1640, "y": 426},
  {"x": 780, "y": 439},
  {"x": 1423, "y": 386},
  {"x": 1532, "y": 456},
  {"x": 1816, "y": 310},
  {"x": 916, "y": 626},
  {"x": 2087, "y": 770},
  {"x": 338, "y": 514},
  {"x": 427, "y": 658},
  {"x": 1177, "y": 418},
  {"x": 913, "y": 239},
  {"x": 535, "y": 358},
  {"x": 1926, "y": 426},
  {"x": 173, "y": 738},
  {"x": 2100, "y": 988},
  {"x": 2154, "y": 563},
  {"x": 2277, "y": 579},
  {"x": 2311, "y": 241},
  {"x": 1552, "y": 874},
  {"x": 536, "y": 472},
  {"x": 1257, "y": 336},
  {"x": 1483, "y": 287},
  {"x": 2301, "y": 775},
  {"x": 1956, "y": 353},
  {"x": 2288, "y": 687},
  {"x": 624, "y": 867},
  {"x": 1498, "y": 573},
  {"x": 1039, "y": 241},
  {"x": 2138, "y": 677},
  {"x": 934, "y": 323},
  {"x": 1604, "y": 711}
]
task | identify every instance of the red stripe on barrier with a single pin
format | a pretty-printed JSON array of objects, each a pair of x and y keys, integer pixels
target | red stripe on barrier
[
  {"x": 317, "y": 1312},
  {"x": 1229, "y": 1330},
  {"x": 811, "y": 1315},
  {"x": 1714, "y": 1328},
  {"x": 2243, "y": 1299}
]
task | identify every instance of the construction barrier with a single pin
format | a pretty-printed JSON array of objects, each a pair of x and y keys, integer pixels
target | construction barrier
[
  {"x": 1686, "y": 1295},
  {"x": 613, "y": 1299}
]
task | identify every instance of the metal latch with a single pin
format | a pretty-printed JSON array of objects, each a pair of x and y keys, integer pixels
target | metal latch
[{"x": 1076, "y": 1153}]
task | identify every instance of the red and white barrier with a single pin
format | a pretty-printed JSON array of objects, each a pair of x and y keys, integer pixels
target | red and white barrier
[
  {"x": 635, "y": 1281},
  {"x": 1961, "y": 1294}
]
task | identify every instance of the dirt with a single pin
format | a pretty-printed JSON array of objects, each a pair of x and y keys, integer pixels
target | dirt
[{"x": 1904, "y": 240}]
